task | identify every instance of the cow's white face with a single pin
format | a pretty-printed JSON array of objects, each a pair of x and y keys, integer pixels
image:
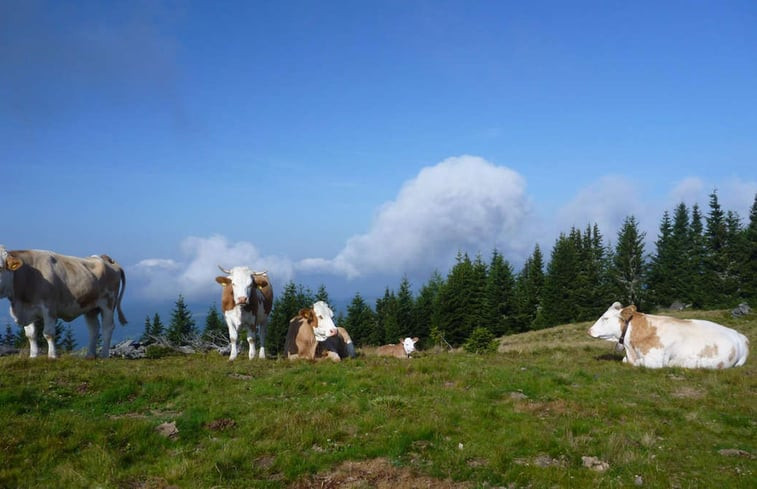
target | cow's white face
[
  {"x": 242, "y": 284},
  {"x": 409, "y": 344},
  {"x": 609, "y": 326},
  {"x": 325, "y": 315}
]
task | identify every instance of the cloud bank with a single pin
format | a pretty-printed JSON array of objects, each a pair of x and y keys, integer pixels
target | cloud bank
[
  {"x": 463, "y": 203},
  {"x": 194, "y": 277}
]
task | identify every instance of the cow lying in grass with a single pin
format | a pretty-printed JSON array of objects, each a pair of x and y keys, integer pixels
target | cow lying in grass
[
  {"x": 403, "y": 349},
  {"x": 313, "y": 335},
  {"x": 662, "y": 341}
]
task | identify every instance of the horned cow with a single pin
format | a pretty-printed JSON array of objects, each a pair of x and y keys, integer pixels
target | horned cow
[{"x": 246, "y": 302}]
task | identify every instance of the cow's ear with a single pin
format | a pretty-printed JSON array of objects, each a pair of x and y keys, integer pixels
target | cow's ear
[
  {"x": 224, "y": 281},
  {"x": 13, "y": 263},
  {"x": 627, "y": 313},
  {"x": 260, "y": 282},
  {"x": 415, "y": 339},
  {"x": 617, "y": 305}
]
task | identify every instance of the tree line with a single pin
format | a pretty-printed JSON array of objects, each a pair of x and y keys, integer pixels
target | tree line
[
  {"x": 700, "y": 261},
  {"x": 704, "y": 261}
]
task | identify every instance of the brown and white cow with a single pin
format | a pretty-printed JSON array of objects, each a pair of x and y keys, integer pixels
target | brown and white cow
[
  {"x": 662, "y": 341},
  {"x": 403, "y": 349},
  {"x": 246, "y": 302},
  {"x": 42, "y": 285},
  {"x": 313, "y": 335}
]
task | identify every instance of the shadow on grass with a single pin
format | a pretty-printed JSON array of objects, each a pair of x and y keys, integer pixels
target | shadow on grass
[{"x": 609, "y": 357}]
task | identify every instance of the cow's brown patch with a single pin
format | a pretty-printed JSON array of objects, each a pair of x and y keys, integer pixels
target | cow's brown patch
[
  {"x": 309, "y": 316},
  {"x": 709, "y": 351},
  {"x": 643, "y": 335}
]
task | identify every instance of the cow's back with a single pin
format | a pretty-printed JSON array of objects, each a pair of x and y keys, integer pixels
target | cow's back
[
  {"x": 68, "y": 286},
  {"x": 397, "y": 350},
  {"x": 698, "y": 343}
]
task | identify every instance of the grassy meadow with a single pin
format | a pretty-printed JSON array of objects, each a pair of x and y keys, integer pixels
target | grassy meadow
[{"x": 525, "y": 417}]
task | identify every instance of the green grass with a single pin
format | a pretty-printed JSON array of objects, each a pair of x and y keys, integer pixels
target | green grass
[{"x": 523, "y": 417}]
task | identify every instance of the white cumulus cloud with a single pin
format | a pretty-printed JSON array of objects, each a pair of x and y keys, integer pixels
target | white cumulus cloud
[
  {"x": 194, "y": 276},
  {"x": 463, "y": 203}
]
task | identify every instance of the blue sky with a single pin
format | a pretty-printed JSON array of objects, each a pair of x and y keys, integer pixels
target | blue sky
[{"x": 349, "y": 143}]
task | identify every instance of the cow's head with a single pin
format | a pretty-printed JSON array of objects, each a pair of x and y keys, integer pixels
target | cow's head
[
  {"x": 324, "y": 319},
  {"x": 610, "y": 326},
  {"x": 9, "y": 262},
  {"x": 409, "y": 345},
  {"x": 243, "y": 282}
]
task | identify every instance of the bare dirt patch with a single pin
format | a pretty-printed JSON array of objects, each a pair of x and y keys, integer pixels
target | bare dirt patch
[{"x": 377, "y": 473}]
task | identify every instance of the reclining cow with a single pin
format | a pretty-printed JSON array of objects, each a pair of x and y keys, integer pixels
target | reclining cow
[
  {"x": 246, "y": 302},
  {"x": 313, "y": 335},
  {"x": 403, "y": 349},
  {"x": 46, "y": 286},
  {"x": 662, "y": 341}
]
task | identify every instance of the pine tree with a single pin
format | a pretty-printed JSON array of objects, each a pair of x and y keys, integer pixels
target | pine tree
[
  {"x": 697, "y": 259},
  {"x": 716, "y": 263},
  {"x": 628, "y": 264},
  {"x": 286, "y": 307},
  {"x": 455, "y": 302},
  {"x": 158, "y": 329},
  {"x": 387, "y": 320},
  {"x": 145, "y": 338},
  {"x": 426, "y": 306},
  {"x": 500, "y": 287},
  {"x": 749, "y": 272},
  {"x": 477, "y": 315},
  {"x": 405, "y": 318},
  {"x": 68, "y": 343},
  {"x": 322, "y": 295},
  {"x": 660, "y": 274},
  {"x": 360, "y": 321},
  {"x": 215, "y": 325},
  {"x": 182, "y": 327},
  {"x": 528, "y": 289},
  {"x": 558, "y": 295}
]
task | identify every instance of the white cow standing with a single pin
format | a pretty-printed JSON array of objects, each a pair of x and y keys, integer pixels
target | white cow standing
[
  {"x": 246, "y": 301},
  {"x": 662, "y": 341}
]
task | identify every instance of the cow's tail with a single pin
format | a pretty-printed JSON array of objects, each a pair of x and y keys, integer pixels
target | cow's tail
[{"x": 121, "y": 317}]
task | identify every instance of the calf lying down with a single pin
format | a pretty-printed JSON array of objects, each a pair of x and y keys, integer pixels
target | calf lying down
[{"x": 403, "y": 349}]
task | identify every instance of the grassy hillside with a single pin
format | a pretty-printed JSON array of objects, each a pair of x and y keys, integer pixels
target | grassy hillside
[{"x": 524, "y": 417}]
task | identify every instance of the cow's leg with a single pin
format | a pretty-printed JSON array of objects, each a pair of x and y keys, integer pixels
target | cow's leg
[
  {"x": 108, "y": 326},
  {"x": 262, "y": 330},
  {"x": 49, "y": 333},
  {"x": 251, "y": 341},
  {"x": 93, "y": 326},
  {"x": 233, "y": 342},
  {"x": 30, "y": 331}
]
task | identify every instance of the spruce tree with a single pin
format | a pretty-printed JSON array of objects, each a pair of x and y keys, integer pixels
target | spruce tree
[
  {"x": 628, "y": 264},
  {"x": 426, "y": 306},
  {"x": 528, "y": 289},
  {"x": 477, "y": 315},
  {"x": 322, "y": 295},
  {"x": 660, "y": 274},
  {"x": 182, "y": 327},
  {"x": 68, "y": 343},
  {"x": 716, "y": 261},
  {"x": 215, "y": 325},
  {"x": 558, "y": 296},
  {"x": 697, "y": 259},
  {"x": 456, "y": 301},
  {"x": 145, "y": 338},
  {"x": 360, "y": 321},
  {"x": 500, "y": 287},
  {"x": 749, "y": 271},
  {"x": 157, "y": 329},
  {"x": 405, "y": 318},
  {"x": 388, "y": 329}
]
